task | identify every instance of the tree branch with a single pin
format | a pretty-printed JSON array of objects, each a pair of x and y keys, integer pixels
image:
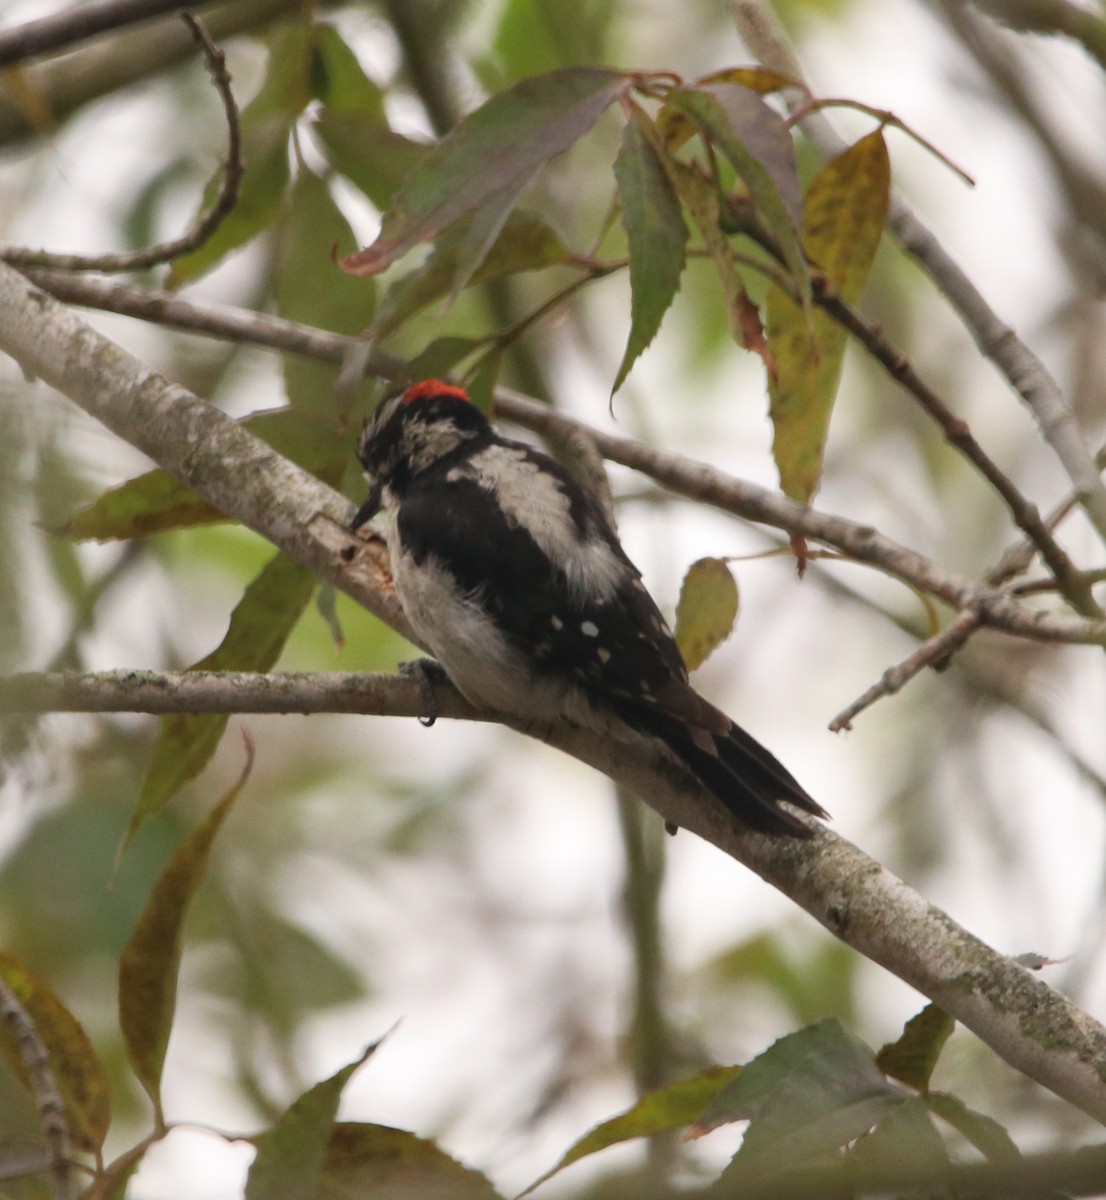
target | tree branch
[
  {"x": 205, "y": 225},
  {"x": 681, "y": 475},
  {"x": 1025, "y": 373},
  {"x": 1033, "y": 1027},
  {"x": 35, "y": 1058},
  {"x": 61, "y": 30}
]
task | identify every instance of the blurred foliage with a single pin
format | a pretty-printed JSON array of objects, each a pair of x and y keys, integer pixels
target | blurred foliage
[{"x": 359, "y": 856}]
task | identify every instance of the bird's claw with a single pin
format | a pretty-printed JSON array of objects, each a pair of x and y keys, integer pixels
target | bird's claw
[{"x": 427, "y": 673}]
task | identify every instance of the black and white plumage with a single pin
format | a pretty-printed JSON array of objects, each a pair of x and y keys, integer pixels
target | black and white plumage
[{"x": 510, "y": 572}]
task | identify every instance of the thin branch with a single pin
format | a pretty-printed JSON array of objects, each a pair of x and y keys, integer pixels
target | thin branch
[
  {"x": 1025, "y": 373},
  {"x": 681, "y": 475},
  {"x": 933, "y": 650},
  {"x": 208, "y": 222},
  {"x": 1034, "y": 1028},
  {"x": 1052, "y": 17},
  {"x": 958, "y": 433},
  {"x": 58, "y": 88},
  {"x": 62, "y": 30},
  {"x": 193, "y": 692},
  {"x": 44, "y": 1088}
]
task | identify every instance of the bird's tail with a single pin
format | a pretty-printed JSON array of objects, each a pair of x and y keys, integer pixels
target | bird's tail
[{"x": 736, "y": 768}]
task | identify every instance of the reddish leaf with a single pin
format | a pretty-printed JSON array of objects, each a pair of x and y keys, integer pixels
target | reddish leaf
[
  {"x": 655, "y": 231},
  {"x": 525, "y": 243},
  {"x": 77, "y": 1069},
  {"x": 150, "y": 962},
  {"x": 489, "y": 158}
]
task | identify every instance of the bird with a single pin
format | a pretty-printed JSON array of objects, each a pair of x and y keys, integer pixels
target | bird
[{"x": 510, "y": 572}]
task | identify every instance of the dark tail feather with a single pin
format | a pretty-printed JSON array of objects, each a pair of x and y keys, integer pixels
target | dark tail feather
[{"x": 740, "y": 772}]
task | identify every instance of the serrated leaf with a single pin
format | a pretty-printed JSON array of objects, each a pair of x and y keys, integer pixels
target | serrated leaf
[
  {"x": 150, "y": 963},
  {"x": 913, "y": 1056},
  {"x": 525, "y": 243},
  {"x": 292, "y": 1154},
  {"x": 266, "y": 126},
  {"x": 259, "y": 627},
  {"x": 845, "y": 212},
  {"x": 310, "y": 289},
  {"x": 985, "y": 1133},
  {"x": 661, "y": 1111},
  {"x": 489, "y": 157},
  {"x": 655, "y": 231},
  {"x": 757, "y": 142},
  {"x": 804, "y": 1091},
  {"x": 706, "y": 611},
  {"x": 392, "y": 1164},
  {"x": 78, "y": 1072},
  {"x": 156, "y": 503},
  {"x": 700, "y": 197}
]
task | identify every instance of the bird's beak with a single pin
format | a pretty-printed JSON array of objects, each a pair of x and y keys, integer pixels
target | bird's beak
[{"x": 369, "y": 509}]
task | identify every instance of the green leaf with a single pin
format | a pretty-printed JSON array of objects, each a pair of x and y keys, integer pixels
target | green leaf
[
  {"x": 756, "y": 140},
  {"x": 293, "y": 1153},
  {"x": 440, "y": 357},
  {"x": 912, "y": 1058},
  {"x": 809, "y": 1093},
  {"x": 259, "y": 627},
  {"x": 904, "y": 1144},
  {"x": 152, "y": 503},
  {"x": 266, "y": 126},
  {"x": 155, "y": 502},
  {"x": 845, "y": 212},
  {"x": 661, "y": 1111},
  {"x": 337, "y": 78},
  {"x": 76, "y": 1067},
  {"x": 700, "y": 197},
  {"x": 655, "y": 231},
  {"x": 310, "y": 289},
  {"x": 706, "y": 611},
  {"x": 525, "y": 243},
  {"x": 489, "y": 158},
  {"x": 373, "y": 157},
  {"x": 985, "y": 1133},
  {"x": 377, "y": 1160},
  {"x": 150, "y": 963}
]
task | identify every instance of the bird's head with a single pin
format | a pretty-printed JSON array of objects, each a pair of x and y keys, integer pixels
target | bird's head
[{"x": 410, "y": 432}]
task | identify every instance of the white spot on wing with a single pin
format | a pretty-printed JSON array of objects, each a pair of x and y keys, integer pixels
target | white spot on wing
[{"x": 589, "y": 629}]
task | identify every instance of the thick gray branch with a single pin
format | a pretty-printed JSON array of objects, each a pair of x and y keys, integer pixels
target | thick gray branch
[
  {"x": 1031, "y": 1026},
  {"x": 684, "y": 476}
]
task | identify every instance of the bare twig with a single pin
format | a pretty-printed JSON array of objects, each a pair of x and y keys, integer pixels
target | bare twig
[
  {"x": 933, "y": 650},
  {"x": 44, "y": 1088},
  {"x": 1025, "y": 373},
  {"x": 958, "y": 433},
  {"x": 204, "y": 227},
  {"x": 681, "y": 475},
  {"x": 62, "y": 30}
]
